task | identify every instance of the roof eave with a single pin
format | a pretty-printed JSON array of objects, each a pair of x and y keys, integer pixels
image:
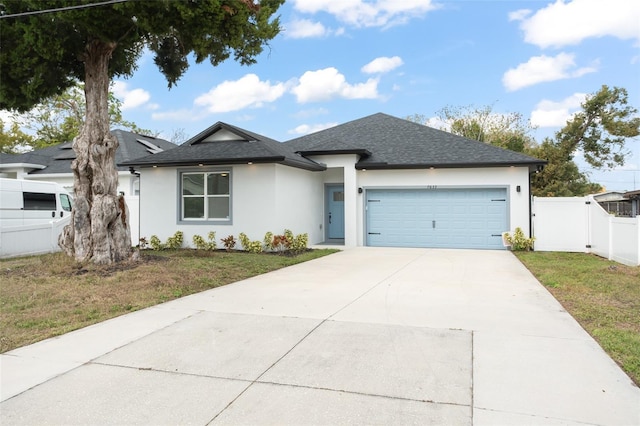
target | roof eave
[
  {"x": 533, "y": 166},
  {"x": 22, "y": 166},
  {"x": 209, "y": 162},
  {"x": 358, "y": 151}
]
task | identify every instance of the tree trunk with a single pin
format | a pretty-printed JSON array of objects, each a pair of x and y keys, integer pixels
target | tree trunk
[{"x": 99, "y": 229}]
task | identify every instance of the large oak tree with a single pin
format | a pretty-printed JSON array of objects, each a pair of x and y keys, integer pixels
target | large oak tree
[{"x": 48, "y": 46}]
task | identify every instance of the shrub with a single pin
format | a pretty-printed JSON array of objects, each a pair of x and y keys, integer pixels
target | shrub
[
  {"x": 244, "y": 240},
  {"x": 212, "y": 240},
  {"x": 280, "y": 243},
  {"x": 268, "y": 241},
  {"x": 299, "y": 244},
  {"x": 248, "y": 245},
  {"x": 518, "y": 241},
  {"x": 229, "y": 242},
  {"x": 155, "y": 243},
  {"x": 201, "y": 244},
  {"x": 288, "y": 236},
  {"x": 175, "y": 242}
]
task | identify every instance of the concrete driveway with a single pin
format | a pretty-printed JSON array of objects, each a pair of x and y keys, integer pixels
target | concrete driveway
[{"x": 365, "y": 336}]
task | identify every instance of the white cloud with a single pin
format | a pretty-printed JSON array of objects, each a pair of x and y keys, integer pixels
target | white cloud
[
  {"x": 519, "y": 15},
  {"x": 131, "y": 98},
  {"x": 556, "y": 114},
  {"x": 382, "y": 64},
  {"x": 178, "y": 115},
  {"x": 570, "y": 22},
  {"x": 248, "y": 91},
  {"x": 543, "y": 68},
  {"x": 7, "y": 118},
  {"x": 305, "y": 28},
  {"x": 438, "y": 123},
  {"x": 328, "y": 83},
  {"x": 305, "y": 129},
  {"x": 309, "y": 113},
  {"x": 361, "y": 13}
]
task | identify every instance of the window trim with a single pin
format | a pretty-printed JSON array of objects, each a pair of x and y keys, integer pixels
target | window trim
[{"x": 180, "y": 198}]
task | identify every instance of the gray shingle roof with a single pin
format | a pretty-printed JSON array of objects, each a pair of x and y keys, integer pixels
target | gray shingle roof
[
  {"x": 394, "y": 143},
  {"x": 57, "y": 158},
  {"x": 249, "y": 147}
]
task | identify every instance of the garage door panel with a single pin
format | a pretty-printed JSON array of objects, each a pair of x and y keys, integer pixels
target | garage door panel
[{"x": 456, "y": 218}]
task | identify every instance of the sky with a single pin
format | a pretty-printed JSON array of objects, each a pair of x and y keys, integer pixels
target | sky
[{"x": 340, "y": 60}]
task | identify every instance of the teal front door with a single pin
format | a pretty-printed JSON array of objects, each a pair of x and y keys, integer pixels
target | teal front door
[{"x": 335, "y": 211}]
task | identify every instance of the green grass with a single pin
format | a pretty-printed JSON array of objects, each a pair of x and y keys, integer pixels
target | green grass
[
  {"x": 49, "y": 295},
  {"x": 603, "y": 296}
]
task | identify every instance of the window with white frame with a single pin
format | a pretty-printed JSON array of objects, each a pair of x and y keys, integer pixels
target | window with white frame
[{"x": 206, "y": 196}]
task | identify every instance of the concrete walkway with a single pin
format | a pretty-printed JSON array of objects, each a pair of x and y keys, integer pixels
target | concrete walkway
[{"x": 365, "y": 336}]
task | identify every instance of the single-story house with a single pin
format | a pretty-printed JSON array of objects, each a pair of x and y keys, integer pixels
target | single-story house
[
  {"x": 634, "y": 199},
  {"x": 614, "y": 202},
  {"x": 53, "y": 164},
  {"x": 375, "y": 181}
]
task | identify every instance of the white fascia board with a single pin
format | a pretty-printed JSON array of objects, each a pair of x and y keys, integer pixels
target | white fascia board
[{"x": 22, "y": 166}]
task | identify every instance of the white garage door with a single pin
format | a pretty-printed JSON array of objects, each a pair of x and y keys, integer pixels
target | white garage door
[{"x": 442, "y": 218}]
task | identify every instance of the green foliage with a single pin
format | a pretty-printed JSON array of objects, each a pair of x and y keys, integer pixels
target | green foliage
[
  {"x": 561, "y": 176},
  {"x": 13, "y": 140},
  {"x": 518, "y": 241},
  {"x": 268, "y": 241},
  {"x": 42, "y": 54},
  {"x": 211, "y": 236},
  {"x": 599, "y": 131},
  {"x": 229, "y": 242},
  {"x": 175, "y": 241},
  {"x": 59, "y": 118},
  {"x": 201, "y": 244},
  {"x": 296, "y": 244},
  {"x": 288, "y": 236},
  {"x": 601, "y": 128},
  {"x": 299, "y": 244},
  {"x": 155, "y": 243},
  {"x": 248, "y": 245}
]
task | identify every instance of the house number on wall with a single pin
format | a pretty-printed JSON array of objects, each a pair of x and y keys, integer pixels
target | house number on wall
[{"x": 432, "y": 186}]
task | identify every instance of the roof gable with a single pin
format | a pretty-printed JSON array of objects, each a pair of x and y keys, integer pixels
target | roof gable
[{"x": 223, "y": 143}]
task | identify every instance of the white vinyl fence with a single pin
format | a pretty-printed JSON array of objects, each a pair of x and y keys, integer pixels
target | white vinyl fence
[{"x": 579, "y": 224}]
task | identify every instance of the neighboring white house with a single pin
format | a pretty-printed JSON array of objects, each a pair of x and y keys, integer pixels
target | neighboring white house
[
  {"x": 376, "y": 181},
  {"x": 53, "y": 164}
]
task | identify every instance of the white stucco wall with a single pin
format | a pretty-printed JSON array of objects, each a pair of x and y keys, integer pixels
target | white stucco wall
[
  {"x": 272, "y": 197},
  {"x": 299, "y": 202},
  {"x": 253, "y": 201}
]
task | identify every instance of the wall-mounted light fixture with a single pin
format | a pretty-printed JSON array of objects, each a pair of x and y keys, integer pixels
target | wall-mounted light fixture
[
  {"x": 360, "y": 190},
  {"x": 518, "y": 188}
]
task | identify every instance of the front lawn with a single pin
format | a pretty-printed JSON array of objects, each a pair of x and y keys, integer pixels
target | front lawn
[
  {"x": 603, "y": 296},
  {"x": 48, "y": 295}
]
